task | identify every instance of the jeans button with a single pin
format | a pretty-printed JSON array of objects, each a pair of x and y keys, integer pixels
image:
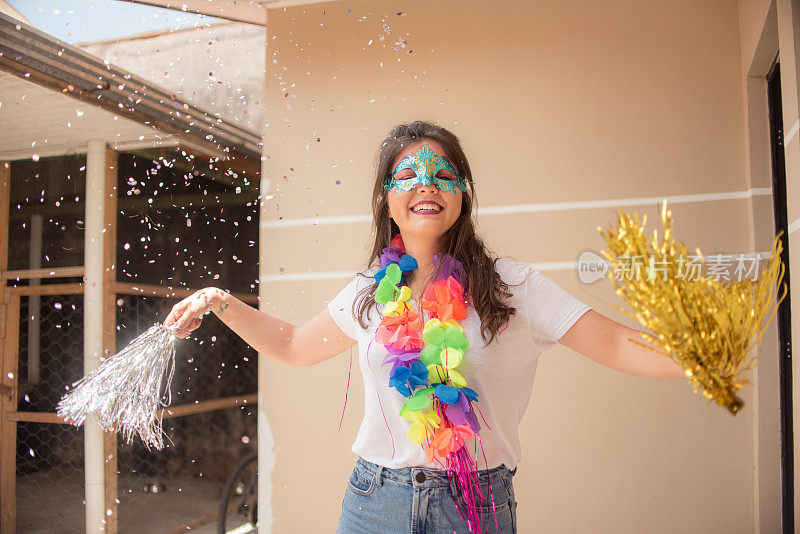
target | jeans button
[{"x": 420, "y": 477}]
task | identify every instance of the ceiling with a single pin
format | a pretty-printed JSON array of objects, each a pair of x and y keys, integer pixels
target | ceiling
[
  {"x": 48, "y": 123},
  {"x": 253, "y": 11}
]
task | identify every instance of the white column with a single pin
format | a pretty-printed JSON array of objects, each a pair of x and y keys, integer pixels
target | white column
[
  {"x": 93, "y": 327},
  {"x": 266, "y": 441}
]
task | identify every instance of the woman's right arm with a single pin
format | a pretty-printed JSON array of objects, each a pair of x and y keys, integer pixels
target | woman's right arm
[{"x": 317, "y": 340}]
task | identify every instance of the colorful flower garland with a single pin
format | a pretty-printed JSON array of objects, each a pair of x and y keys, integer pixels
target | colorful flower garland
[{"x": 424, "y": 362}]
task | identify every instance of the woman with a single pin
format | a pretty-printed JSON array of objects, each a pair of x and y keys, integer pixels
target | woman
[{"x": 442, "y": 458}]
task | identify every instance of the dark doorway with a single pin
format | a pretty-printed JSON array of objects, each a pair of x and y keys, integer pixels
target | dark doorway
[{"x": 784, "y": 313}]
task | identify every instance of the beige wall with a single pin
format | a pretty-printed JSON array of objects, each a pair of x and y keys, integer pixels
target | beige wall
[
  {"x": 768, "y": 29},
  {"x": 758, "y": 45},
  {"x": 555, "y": 103},
  {"x": 758, "y": 34}
]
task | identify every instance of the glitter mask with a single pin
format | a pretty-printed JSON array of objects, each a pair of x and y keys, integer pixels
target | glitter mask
[{"x": 426, "y": 165}]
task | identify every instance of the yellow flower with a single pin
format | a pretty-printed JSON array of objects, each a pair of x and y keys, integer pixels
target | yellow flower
[
  {"x": 439, "y": 373},
  {"x": 397, "y": 306},
  {"x": 423, "y": 424}
]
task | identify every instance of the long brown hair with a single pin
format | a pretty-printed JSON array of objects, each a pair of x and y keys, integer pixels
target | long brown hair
[{"x": 484, "y": 287}]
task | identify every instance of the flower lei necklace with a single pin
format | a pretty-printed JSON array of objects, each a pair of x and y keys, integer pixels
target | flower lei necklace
[{"x": 424, "y": 365}]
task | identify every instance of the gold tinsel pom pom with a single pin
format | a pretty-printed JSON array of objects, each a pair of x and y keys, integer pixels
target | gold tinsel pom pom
[{"x": 705, "y": 325}]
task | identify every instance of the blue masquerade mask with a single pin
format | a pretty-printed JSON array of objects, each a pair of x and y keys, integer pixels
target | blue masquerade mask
[{"x": 426, "y": 165}]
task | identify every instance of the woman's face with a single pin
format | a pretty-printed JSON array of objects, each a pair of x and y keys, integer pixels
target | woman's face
[{"x": 411, "y": 209}]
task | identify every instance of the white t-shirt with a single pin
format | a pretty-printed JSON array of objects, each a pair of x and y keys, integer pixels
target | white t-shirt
[{"x": 501, "y": 373}]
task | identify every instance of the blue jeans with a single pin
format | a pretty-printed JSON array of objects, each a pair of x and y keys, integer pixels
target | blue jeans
[{"x": 421, "y": 501}]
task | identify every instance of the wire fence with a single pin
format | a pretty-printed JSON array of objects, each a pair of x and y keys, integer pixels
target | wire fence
[
  {"x": 173, "y": 486},
  {"x": 208, "y": 240}
]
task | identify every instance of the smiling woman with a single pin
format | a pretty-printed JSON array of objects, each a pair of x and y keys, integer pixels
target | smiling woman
[
  {"x": 423, "y": 162},
  {"x": 462, "y": 330}
]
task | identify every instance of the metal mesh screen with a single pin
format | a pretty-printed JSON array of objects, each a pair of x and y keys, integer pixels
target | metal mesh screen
[
  {"x": 157, "y": 490},
  {"x": 49, "y": 456},
  {"x": 50, "y": 487},
  {"x": 49, "y": 193},
  {"x": 181, "y": 230},
  {"x": 189, "y": 473},
  {"x": 175, "y": 485}
]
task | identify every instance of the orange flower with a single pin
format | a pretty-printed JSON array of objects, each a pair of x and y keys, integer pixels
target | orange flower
[
  {"x": 445, "y": 300},
  {"x": 449, "y": 439},
  {"x": 400, "y": 337},
  {"x": 407, "y": 316}
]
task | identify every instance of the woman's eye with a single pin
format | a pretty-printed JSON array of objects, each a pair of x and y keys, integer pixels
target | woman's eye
[
  {"x": 445, "y": 176},
  {"x": 404, "y": 176}
]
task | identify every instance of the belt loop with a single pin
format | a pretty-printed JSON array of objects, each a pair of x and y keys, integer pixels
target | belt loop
[{"x": 378, "y": 475}]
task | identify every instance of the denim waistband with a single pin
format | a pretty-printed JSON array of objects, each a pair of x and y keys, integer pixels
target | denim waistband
[{"x": 427, "y": 477}]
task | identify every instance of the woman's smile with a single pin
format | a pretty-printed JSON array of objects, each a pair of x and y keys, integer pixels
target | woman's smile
[{"x": 427, "y": 207}]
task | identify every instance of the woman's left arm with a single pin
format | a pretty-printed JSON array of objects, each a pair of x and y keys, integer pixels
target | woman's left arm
[{"x": 609, "y": 343}]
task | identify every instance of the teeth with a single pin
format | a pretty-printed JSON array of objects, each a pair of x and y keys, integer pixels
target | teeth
[{"x": 426, "y": 207}]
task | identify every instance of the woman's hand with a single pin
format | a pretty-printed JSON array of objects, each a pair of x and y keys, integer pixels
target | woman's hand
[{"x": 186, "y": 315}]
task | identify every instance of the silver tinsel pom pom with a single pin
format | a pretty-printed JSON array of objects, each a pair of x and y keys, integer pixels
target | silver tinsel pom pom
[{"x": 125, "y": 391}]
